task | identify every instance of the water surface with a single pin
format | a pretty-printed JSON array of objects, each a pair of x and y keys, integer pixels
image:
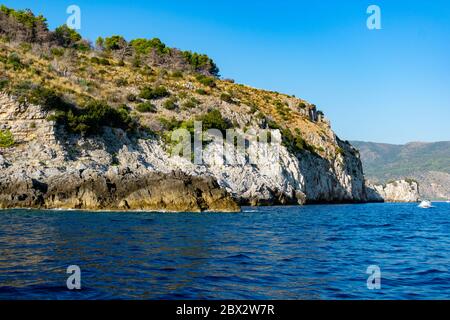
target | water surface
[{"x": 310, "y": 252}]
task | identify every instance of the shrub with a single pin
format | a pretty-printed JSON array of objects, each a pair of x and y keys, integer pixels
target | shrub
[
  {"x": 100, "y": 61},
  {"x": 57, "y": 52},
  {"x": 121, "y": 82},
  {"x": 177, "y": 74},
  {"x": 283, "y": 110},
  {"x": 26, "y": 47},
  {"x": 302, "y": 105},
  {"x": 182, "y": 94},
  {"x": 295, "y": 143},
  {"x": 93, "y": 116},
  {"x": 169, "y": 124},
  {"x": 6, "y": 139},
  {"x": 21, "y": 90},
  {"x": 48, "y": 99},
  {"x": 83, "y": 45},
  {"x": 154, "y": 93},
  {"x": 273, "y": 125},
  {"x": 320, "y": 149},
  {"x": 88, "y": 85},
  {"x": 3, "y": 83},
  {"x": 131, "y": 97},
  {"x": 146, "y": 71},
  {"x": 170, "y": 104},
  {"x": 411, "y": 181},
  {"x": 253, "y": 108},
  {"x": 136, "y": 63},
  {"x": 97, "y": 114},
  {"x": 340, "y": 150},
  {"x": 206, "y": 81},
  {"x": 15, "y": 62},
  {"x": 211, "y": 120},
  {"x": 226, "y": 97},
  {"x": 191, "y": 103},
  {"x": 214, "y": 120},
  {"x": 202, "y": 92},
  {"x": 146, "y": 107}
]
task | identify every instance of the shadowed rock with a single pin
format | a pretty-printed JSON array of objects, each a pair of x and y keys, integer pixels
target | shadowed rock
[{"x": 124, "y": 191}]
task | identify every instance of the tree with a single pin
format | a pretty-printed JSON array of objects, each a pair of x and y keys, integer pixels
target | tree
[
  {"x": 115, "y": 43},
  {"x": 119, "y": 45},
  {"x": 100, "y": 43},
  {"x": 23, "y": 25},
  {"x": 144, "y": 46},
  {"x": 201, "y": 63},
  {"x": 66, "y": 37}
]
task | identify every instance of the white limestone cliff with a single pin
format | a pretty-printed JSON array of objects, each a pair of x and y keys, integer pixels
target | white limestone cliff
[
  {"x": 44, "y": 154},
  {"x": 395, "y": 191}
]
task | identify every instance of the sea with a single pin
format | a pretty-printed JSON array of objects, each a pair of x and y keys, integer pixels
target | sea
[{"x": 354, "y": 251}]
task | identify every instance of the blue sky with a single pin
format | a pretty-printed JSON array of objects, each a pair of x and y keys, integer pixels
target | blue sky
[{"x": 390, "y": 85}]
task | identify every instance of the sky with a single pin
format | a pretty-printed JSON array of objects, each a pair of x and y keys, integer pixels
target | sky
[{"x": 390, "y": 85}]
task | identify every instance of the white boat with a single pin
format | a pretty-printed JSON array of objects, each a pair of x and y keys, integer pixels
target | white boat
[{"x": 425, "y": 204}]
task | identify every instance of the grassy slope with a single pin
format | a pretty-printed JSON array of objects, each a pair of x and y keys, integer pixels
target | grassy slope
[{"x": 73, "y": 74}]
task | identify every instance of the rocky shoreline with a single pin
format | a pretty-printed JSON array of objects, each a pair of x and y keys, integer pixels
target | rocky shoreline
[
  {"x": 87, "y": 190},
  {"x": 50, "y": 169}
]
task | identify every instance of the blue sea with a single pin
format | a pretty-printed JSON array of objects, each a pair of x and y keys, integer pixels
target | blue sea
[{"x": 308, "y": 252}]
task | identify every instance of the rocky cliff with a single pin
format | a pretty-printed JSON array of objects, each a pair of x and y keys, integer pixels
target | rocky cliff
[
  {"x": 50, "y": 168},
  {"x": 427, "y": 163},
  {"x": 395, "y": 191},
  {"x": 90, "y": 128}
]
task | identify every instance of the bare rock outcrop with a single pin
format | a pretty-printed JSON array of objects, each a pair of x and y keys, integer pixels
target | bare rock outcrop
[
  {"x": 49, "y": 168},
  {"x": 395, "y": 191},
  {"x": 91, "y": 190}
]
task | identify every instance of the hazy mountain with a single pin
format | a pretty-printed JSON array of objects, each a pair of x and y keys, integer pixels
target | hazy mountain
[{"x": 428, "y": 163}]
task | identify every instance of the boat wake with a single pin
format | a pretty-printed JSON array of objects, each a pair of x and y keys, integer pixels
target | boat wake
[{"x": 425, "y": 204}]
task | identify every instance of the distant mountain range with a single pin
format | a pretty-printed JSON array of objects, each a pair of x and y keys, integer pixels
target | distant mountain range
[{"x": 428, "y": 163}]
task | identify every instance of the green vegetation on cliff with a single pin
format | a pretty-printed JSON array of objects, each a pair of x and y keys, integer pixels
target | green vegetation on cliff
[
  {"x": 134, "y": 84},
  {"x": 93, "y": 116},
  {"x": 6, "y": 139}
]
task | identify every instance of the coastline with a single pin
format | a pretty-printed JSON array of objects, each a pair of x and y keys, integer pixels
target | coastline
[{"x": 242, "y": 208}]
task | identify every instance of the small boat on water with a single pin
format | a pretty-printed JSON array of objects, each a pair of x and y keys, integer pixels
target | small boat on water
[{"x": 425, "y": 204}]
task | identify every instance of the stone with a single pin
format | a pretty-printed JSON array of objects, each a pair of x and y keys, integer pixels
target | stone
[
  {"x": 50, "y": 168},
  {"x": 395, "y": 191}
]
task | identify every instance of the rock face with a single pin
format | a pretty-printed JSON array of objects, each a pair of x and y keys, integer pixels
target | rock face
[
  {"x": 428, "y": 164},
  {"x": 396, "y": 191},
  {"x": 336, "y": 181},
  {"x": 91, "y": 190},
  {"x": 49, "y": 168}
]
